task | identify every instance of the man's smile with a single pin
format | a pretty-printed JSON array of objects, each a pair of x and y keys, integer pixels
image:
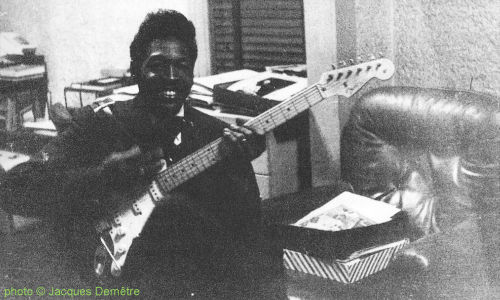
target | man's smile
[{"x": 168, "y": 94}]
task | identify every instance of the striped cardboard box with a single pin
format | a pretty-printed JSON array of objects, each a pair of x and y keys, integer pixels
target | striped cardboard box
[{"x": 345, "y": 271}]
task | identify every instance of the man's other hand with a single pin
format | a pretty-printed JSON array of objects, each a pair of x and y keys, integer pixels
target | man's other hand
[
  {"x": 243, "y": 140},
  {"x": 133, "y": 165}
]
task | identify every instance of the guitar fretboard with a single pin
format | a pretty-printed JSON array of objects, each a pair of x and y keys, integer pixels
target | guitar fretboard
[{"x": 209, "y": 155}]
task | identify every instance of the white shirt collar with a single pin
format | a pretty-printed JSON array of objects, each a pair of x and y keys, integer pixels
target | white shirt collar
[{"x": 181, "y": 112}]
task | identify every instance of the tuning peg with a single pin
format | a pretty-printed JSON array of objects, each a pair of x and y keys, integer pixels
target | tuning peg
[
  {"x": 334, "y": 67},
  {"x": 342, "y": 64},
  {"x": 381, "y": 55},
  {"x": 351, "y": 62},
  {"x": 359, "y": 59}
]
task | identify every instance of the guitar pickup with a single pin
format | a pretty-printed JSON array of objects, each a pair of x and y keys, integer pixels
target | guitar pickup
[
  {"x": 136, "y": 208},
  {"x": 118, "y": 233},
  {"x": 120, "y": 251}
]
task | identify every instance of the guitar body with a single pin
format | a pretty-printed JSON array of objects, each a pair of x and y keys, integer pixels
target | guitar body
[{"x": 117, "y": 232}]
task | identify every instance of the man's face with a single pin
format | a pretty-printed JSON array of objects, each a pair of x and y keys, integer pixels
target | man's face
[{"x": 166, "y": 76}]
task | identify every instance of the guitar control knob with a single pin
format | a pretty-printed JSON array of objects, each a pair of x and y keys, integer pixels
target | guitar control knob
[
  {"x": 120, "y": 250},
  {"x": 119, "y": 233},
  {"x": 115, "y": 270}
]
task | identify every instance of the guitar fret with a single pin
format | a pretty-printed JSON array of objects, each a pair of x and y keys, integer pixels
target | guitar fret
[
  {"x": 162, "y": 185},
  {"x": 267, "y": 126},
  {"x": 279, "y": 118},
  {"x": 307, "y": 101},
  {"x": 292, "y": 102},
  {"x": 170, "y": 185},
  {"x": 214, "y": 150},
  {"x": 270, "y": 117},
  {"x": 174, "y": 178},
  {"x": 165, "y": 183},
  {"x": 317, "y": 95},
  {"x": 261, "y": 125},
  {"x": 178, "y": 173},
  {"x": 298, "y": 102},
  {"x": 282, "y": 112},
  {"x": 207, "y": 155},
  {"x": 288, "y": 113},
  {"x": 199, "y": 163},
  {"x": 188, "y": 165}
]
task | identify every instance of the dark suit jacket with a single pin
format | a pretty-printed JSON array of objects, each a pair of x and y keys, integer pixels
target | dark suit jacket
[{"x": 218, "y": 206}]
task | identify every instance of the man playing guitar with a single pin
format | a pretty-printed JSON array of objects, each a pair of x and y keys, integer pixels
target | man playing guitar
[{"x": 118, "y": 147}]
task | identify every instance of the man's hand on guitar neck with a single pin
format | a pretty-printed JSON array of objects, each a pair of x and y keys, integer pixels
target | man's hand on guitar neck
[
  {"x": 243, "y": 140},
  {"x": 132, "y": 166}
]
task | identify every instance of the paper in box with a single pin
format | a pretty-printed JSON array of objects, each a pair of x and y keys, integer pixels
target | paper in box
[{"x": 347, "y": 239}]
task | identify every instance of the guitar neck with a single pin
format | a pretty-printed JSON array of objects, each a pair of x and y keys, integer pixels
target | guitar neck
[
  {"x": 286, "y": 110},
  {"x": 209, "y": 155}
]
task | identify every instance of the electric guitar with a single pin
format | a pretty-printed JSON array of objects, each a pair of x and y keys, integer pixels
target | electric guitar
[{"x": 117, "y": 233}]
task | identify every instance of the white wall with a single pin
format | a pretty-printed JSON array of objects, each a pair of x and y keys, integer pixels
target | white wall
[
  {"x": 79, "y": 38},
  {"x": 321, "y": 52},
  {"x": 441, "y": 44}
]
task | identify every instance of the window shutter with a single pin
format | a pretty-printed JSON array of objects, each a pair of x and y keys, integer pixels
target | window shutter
[{"x": 253, "y": 34}]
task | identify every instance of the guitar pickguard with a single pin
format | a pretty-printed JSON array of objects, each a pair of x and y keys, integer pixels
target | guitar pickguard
[{"x": 117, "y": 235}]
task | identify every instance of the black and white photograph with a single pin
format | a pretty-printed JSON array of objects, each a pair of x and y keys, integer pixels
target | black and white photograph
[{"x": 249, "y": 149}]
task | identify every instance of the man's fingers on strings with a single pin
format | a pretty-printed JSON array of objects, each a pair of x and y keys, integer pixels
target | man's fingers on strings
[
  {"x": 241, "y": 129},
  {"x": 157, "y": 153},
  {"x": 150, "y": 169},
  {"x": 230, "y": 135}
]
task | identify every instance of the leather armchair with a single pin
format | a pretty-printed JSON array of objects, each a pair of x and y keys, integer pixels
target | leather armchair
[
  {"x": 434, "y": 153},
  {"x": 424, "y": 150}
]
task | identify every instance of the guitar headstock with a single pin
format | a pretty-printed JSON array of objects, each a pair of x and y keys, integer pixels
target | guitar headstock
[{"x": 348, "y": 80}]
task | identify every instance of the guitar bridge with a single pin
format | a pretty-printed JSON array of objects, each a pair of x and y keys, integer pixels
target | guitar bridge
[{"x": 104, "y": 258}]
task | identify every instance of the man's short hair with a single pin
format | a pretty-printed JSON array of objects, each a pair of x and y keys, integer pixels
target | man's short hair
[{"x": 159, "y": 25}]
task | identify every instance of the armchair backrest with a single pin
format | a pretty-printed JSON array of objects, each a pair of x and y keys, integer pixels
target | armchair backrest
[{"x": 422, "y": 145}]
